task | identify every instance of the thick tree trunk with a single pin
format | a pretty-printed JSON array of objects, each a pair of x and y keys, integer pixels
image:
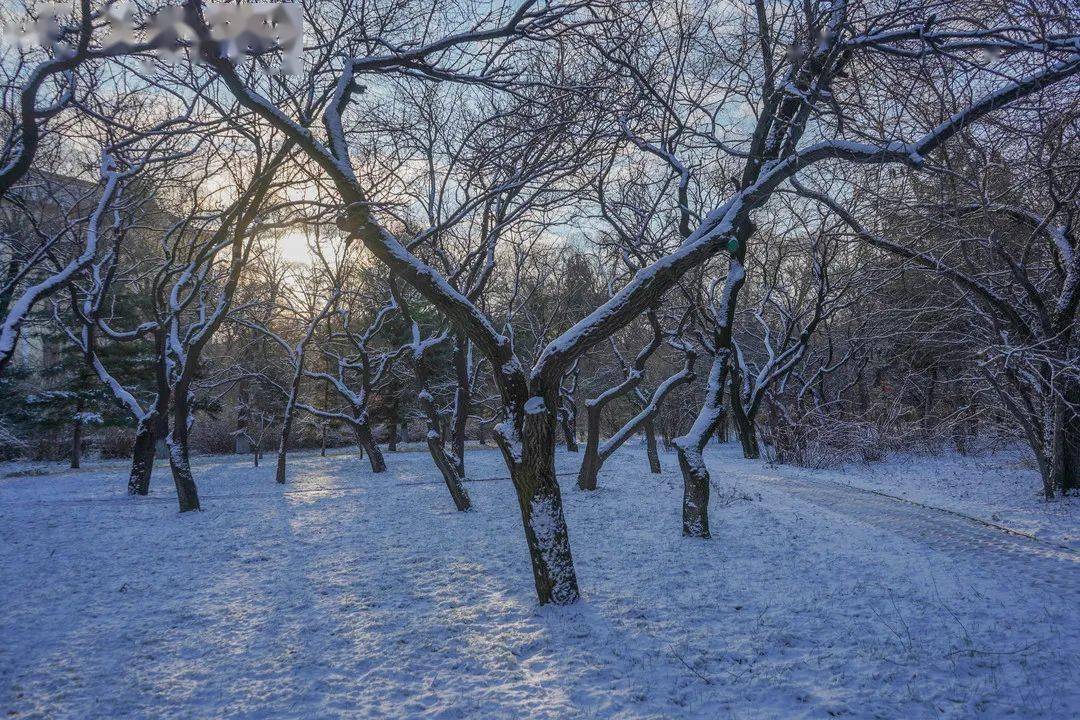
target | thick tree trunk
[
  {"x": 367, "y": 442},
  {"x": 179, "y": 458},
  {"x": 650, "y": 447},
  {"x": 142, "y": 457},
  {"x": 540, "y": 501},
  {"x": 695, "y": 509}
]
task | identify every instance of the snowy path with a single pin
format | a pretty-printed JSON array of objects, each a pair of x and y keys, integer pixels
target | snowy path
[
  {"x": 1022, "y": 558},
  {"x": 351, "y": 595}
]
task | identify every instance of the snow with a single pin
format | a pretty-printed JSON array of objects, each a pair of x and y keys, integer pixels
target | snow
[
  {"x": 535, "y": 405},
  {"x": 350, "y": 594},
  {"x": 1001, "y": 487}
]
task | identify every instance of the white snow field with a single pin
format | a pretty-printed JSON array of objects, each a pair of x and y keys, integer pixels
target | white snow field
[{"x": 352, "y": 595}]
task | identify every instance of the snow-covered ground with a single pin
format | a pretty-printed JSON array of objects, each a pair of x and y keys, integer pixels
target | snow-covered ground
[
  {"x": 348, "y": 594},
  {"x": 1000, "y": 487}
]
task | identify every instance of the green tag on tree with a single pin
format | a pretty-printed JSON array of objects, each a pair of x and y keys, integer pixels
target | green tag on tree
[{"x": 732, "y": 245}]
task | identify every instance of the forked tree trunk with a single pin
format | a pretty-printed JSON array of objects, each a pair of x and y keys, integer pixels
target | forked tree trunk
[
  {"x": 597, "y": 453},
  {"x": 367, "y": 442},
  {"x": 650, "y": 447},
  {"x": 540, "y": 502},
  {"x": 179, "y": 459}
]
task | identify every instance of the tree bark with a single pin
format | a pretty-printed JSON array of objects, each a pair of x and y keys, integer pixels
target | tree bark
[
  {"x": 142, "y": 460},
  {"x": 283, "y": 448},
  {"x": 462, "y": 402},
  {"x": 187, "y": 493},
  {"x": 392, "y": 424},
  {"x": 445, "y": 462},
  {"x": 722, "y": 430},
  {"x": 76, "y": 438},
  {"x": 743, "y": 421},
  {"x": 147, "y": 434},
  {"x": 1066, "y": 448},
  {"x": 540, "y": 502},
  {"x": 695, "y": 508},
  {"x": 568, "y": 412},
  {"x": 650, "y": 447},
  {"x": 367, "y": 442},
  {"x": 590, "y": 463}
]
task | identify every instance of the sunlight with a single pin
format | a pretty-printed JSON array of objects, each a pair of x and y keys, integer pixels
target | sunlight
[{"x": 293, "y": 247}]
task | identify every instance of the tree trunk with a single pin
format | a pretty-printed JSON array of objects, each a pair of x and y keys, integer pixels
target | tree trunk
[
  {"x": 695, "y": 508},
  {"x": 462, "y": 402},
  {"x": 569, "y": 427},
  {"x": 540, "y": 501},
  {"x": 695, "y": 514},
  {"x": 590, "y": 463},
  {"x": 747, "y": 433},
  {"x": 722, "y": 427},
  {"x": 743, "y": 421},
  {"x": 367, "y": 442},
  {"x": 241, "y": 442},
  {"x": 142, "y": 459},
  {"x": 283, "y": 445},
  {"x": 1065, "y": 461},
  {"x": 179, "y": 459},
  {"x": 449, "y": 472},
  {"x": 650, "y": 447},
  {"x": 76, "y": 437},
  {"x": 446, "y": 463},
  {"x": 1071, "y": 440},
  {"x": 392, "y": 423}
]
